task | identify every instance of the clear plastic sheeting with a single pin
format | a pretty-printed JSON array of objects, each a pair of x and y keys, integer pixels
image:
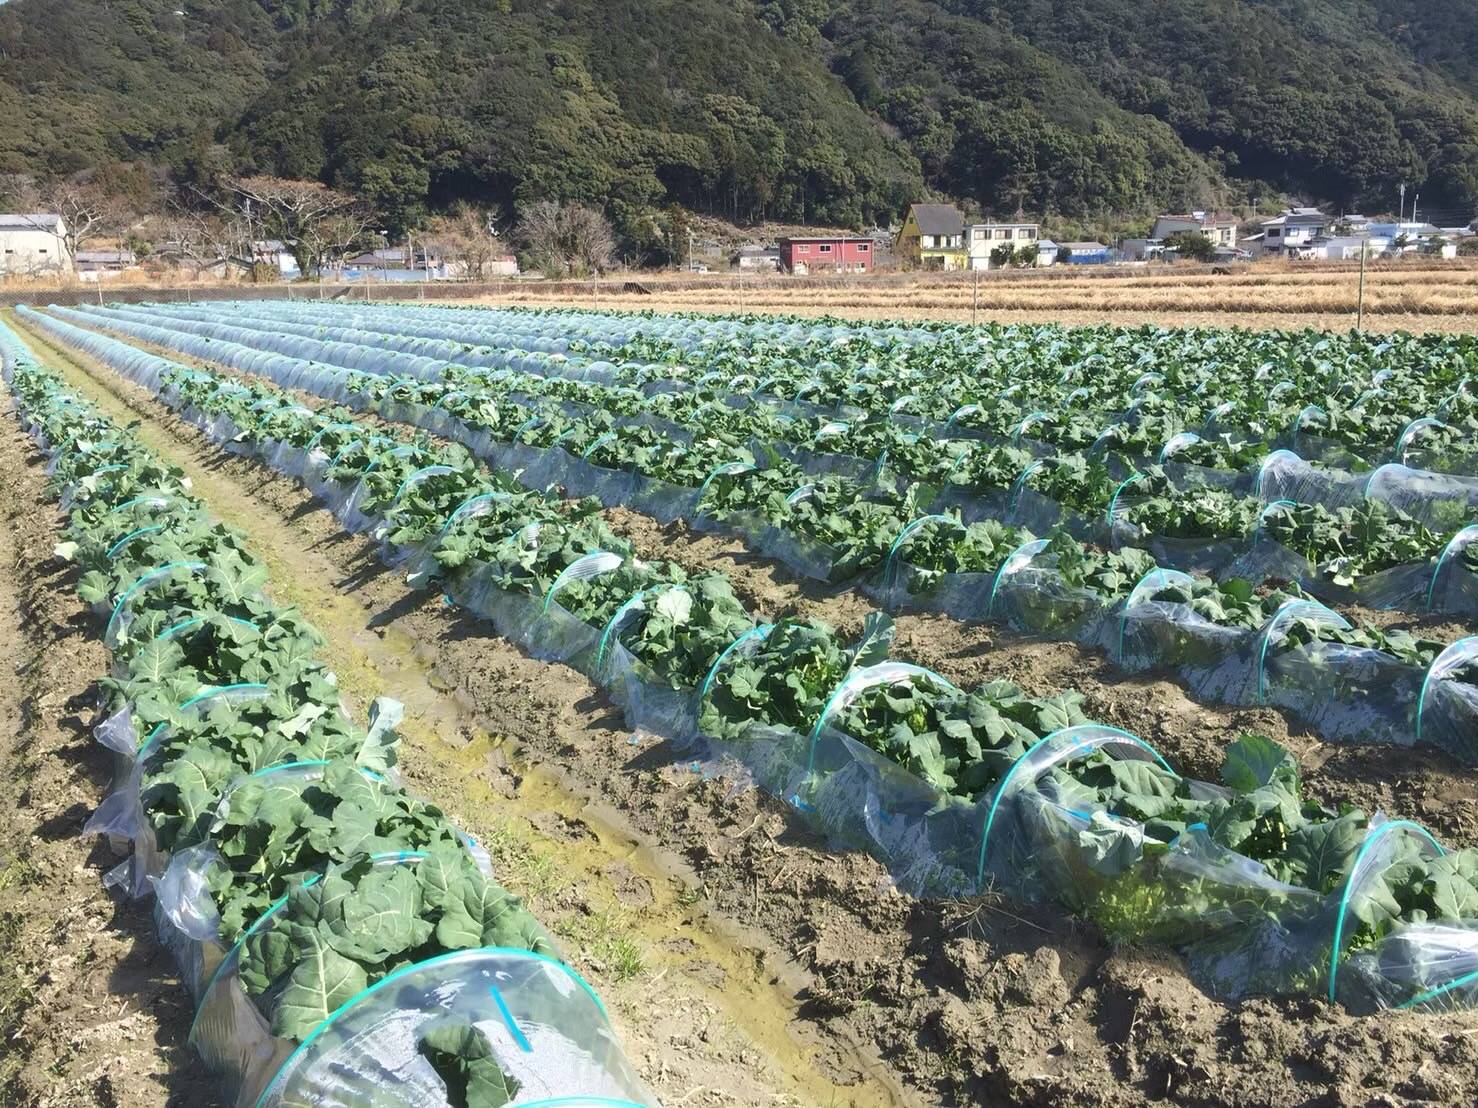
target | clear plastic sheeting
[
  {"x": 1039, "y": 830},
  {"x": 542, "y": 1029},
  {"x": 526, "y": 1029},
  {"x": 1281, "y": 476},
  {"x": 1428, "y": 965}
]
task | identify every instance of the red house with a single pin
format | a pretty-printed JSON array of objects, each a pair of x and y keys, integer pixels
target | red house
[{"x": 827, "y": 254}]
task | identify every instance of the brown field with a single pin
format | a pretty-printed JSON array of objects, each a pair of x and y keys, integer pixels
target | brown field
[{"x": 1409, "y": 296}]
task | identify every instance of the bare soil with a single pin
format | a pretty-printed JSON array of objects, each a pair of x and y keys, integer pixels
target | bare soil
[{"x": 887, "y": 998}]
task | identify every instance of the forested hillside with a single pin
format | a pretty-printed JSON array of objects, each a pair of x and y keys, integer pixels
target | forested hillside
[{"x": 833, "y": 111}]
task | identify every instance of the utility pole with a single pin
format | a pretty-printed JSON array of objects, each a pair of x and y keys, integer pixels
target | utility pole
[
  {"x": 1401, "y": 215},
  {"x": 1360, "y": 301},
  {"x": 975, "y": 300}
]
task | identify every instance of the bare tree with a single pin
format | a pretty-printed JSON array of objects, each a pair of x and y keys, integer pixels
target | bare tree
[
  {"x": 568, "y": 239},
  {"x": 468, "y": 234},
  {"x": 203, "y": 239},
  {"x": 318, "y": 224},
  {"x": 88, "y": 213}
]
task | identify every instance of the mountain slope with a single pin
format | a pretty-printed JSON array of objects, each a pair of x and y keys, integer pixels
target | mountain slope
[{"x": 809, "y": 110}]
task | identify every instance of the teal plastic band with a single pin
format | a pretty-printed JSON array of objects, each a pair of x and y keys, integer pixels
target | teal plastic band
[
  {"x": 1113, "y": 507},
  {"x": 1371, "y": 838},
  {"x": 128, "y": 538},
  {"x": 1460, "y": 648},
  {"x": 1001, "y": 788},
  {"x": 143, "y": 582},
  {"x": 762, "y": 631},
  {"x": 890, "y": 565},
  {"x": 1468, "y": 534}
]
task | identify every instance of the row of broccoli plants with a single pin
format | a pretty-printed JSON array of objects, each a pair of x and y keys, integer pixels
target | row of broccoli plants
[
  {"x": 644, "y": 451},
  {"x": 1226, "y": 641},
  {"x": 1357, "y": 401},
  {"x": 1160, "y": 419},
  {"x": 297, "y": 882},
  {"x": 1264, "y": 888}
]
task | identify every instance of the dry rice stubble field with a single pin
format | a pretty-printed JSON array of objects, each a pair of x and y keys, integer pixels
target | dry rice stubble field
[{"x": 1414, "y": 296}]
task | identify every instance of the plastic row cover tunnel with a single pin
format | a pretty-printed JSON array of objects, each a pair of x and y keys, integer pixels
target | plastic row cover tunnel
[
  {"x": 1264, "y": 890},
  {"x": 1276, "y": 647},
  {"x": 1151, "y": 428},
  {"x": 1383, "y": 556},
  {"x": 248, "y": 796}
]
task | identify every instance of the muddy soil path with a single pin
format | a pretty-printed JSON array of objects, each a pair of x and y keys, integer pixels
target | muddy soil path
[
  {"x": 90, "y": 1009},
  {"x": 966, "y": 1003}
]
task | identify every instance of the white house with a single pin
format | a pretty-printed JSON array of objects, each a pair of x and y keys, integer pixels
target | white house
[
  {"x": 1046, "y": 252},
  {"x": 1293, "y": 231},
  {"x": 274, "y": 252},
  {"x": 1221, "y": 229},
  {"x": 981, "y": 239},
  {"x": 33, "y": 245}
]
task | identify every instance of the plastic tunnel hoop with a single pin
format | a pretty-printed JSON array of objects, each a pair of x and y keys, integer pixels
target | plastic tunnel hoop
[
  {"x": 260, "y": 922},
  {"x": 960, "y": 413},
  {"x": 152, "y": 501},
  {"x": 1018, "y": 485},
  {"x": 1112, "y": 512},
  {"x": 1026, "y": 424},
  {"x": 128, "y": 538},
  {"x": 1371, "y": 838},
  {"x": 256, "y": 689},
  {"x": 1155, "y": 580},
  {"x": 634, "y": 603},
  {"x": 802, "y": 493},
  {"x": 1457, "y": 652},
  {"x": 594, "y": 564},
  {"x": 403, "y": 451},
  {"x": 389, "y": 979},
  {"x": 470, "y": 507},
  {"x": 832, "y": 429},
  {"x": 1176, "y": 443},
  {"x": 1409, "y": 432},
  {"x": 761, "y": 632},
  {"x": 1084, "y": 739},
  {"x": 727, "y": 469},
  {"x": 858, "y": 681},
  {"x": 326, "y": 429},
  {"x": 1389, "y": 469},
  {"x": 1082, "y": 392},
  {"x": 1277, "y": 456},
  {"x": 890, "y": 565},
  {"x": 447, "y": 395},
  {"x": 1287, "y": 610},
  {"x": 145, "y": 581},
  {"x": 600, "y": 440},
  {"x": 173, "y": 630},
  {"x": 415, "y": 479},
  {"x": 1016, "y": 560},
  {"x": 1458, "y": 542}
]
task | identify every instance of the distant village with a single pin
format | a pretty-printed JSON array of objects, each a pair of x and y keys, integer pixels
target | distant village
[{"x": 931, "y": 237}]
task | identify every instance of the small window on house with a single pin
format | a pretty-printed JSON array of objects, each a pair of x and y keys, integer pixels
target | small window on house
[
  {"x": 826, "y": 248},
  {"x": 42, "y": 250},
  {"x": 802, "y": 249},
  {"x": 1023, "y": 232},
  {"x": 1003, "y": 232},
  {"x": 862, "y": 247}
]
